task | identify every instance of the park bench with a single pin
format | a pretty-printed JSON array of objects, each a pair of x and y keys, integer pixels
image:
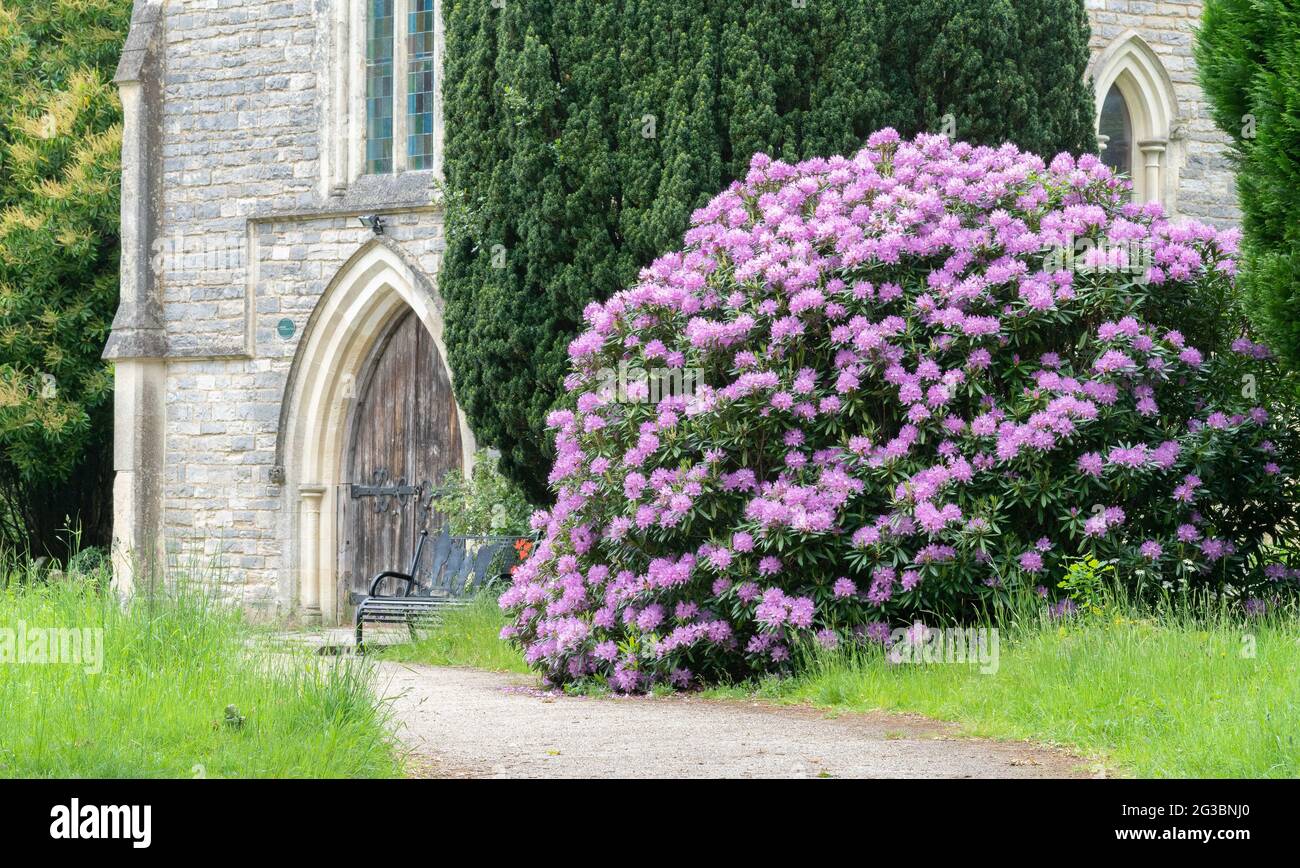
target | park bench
[{"x": 461, "y": 566}]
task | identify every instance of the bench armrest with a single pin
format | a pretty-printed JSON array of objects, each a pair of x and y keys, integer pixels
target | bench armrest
[{"x": 389, "y": 574}]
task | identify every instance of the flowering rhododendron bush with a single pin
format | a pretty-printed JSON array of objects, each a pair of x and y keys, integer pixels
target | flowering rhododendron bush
[{"x": 915, "y": 381}]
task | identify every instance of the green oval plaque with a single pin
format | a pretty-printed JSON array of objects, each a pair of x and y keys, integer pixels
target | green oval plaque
[{"x": 286, "y": 328}]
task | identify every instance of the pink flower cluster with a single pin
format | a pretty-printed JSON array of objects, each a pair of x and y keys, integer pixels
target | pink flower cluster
[{"x": 904, "y": 401}]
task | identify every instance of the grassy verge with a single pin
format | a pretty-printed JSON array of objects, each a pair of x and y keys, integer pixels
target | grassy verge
[
  {"x": 1172, "y": 693},
  {"x": 1183, "y": 689},
  {"x": 155, "y": 702},
  {"x": 464, "y": 637}
]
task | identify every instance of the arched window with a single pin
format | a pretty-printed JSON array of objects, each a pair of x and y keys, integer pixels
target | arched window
[
  {"x": 400, "y": 66},
  {"x": 1137, "y": 117},
  {"x": 382, "y": 115},
  {"x": 1115, "y": 130}
]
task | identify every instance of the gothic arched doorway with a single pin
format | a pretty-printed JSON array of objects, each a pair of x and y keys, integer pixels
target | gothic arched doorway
[
  {"x": 369, "y": 297},
  {"x": 405, "y": 437}
]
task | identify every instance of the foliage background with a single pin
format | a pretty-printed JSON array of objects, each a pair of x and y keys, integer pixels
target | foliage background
[
  {"x": 558, "y": 192},
  {"x": 1248, "y": 57},
  {"x": 60, "y": 138},
  {"x": 484, "y": 504}
]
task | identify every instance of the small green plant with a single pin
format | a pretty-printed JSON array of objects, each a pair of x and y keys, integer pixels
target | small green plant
[
  {"x": 234, "y": 719},
  {"x": 92, "y": 562},
  {"x": 487, "y": 503},
  {"x": 1087, "y": 582}
]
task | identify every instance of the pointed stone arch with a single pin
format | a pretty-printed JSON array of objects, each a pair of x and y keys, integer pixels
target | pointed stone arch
[
  {"x": 371, "y": 290},
  {"x": 1130, "y": 66}
]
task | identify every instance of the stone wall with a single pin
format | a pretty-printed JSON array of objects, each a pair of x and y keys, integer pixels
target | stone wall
[
  {"x": 222, "y": 512},
  {"x": 246, "y": 241}
]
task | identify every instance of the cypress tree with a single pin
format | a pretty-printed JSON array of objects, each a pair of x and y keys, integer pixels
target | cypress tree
[
  {"x": 581, "y": 134},
  {"x": 992, "y": 71},
  {"x": 1249, "y": 66}
]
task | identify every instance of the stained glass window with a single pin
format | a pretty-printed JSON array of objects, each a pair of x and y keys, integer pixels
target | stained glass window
[
  {"x": 419, "y": 86},
  {"x": 379, "y": 86}
]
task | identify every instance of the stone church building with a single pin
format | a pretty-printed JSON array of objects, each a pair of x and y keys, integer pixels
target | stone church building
[{"x": 282, "y": 402}]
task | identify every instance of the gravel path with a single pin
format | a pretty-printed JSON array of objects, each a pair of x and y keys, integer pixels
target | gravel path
[{"x": 467, "y": 723}]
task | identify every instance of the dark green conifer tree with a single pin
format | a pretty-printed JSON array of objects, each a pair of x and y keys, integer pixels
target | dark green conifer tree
[{"x": 1248, "y": 57}]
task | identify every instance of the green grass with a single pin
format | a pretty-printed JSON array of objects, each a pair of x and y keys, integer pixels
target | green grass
[
  {"x": 157, "y": 708},
  {"x": 1171, "y": 693},
  {"x": 467, "y": 636}
]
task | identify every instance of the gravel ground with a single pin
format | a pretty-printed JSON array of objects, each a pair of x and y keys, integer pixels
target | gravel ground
[{"x": 467, "y": 723}]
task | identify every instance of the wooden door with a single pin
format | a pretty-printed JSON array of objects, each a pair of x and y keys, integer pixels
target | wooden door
[{"x": 405, "y": 438}]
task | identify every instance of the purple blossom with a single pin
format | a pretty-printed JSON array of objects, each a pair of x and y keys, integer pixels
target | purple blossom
[
  {"x": 865, "y": 323},
  {"x": 1031, "y": 562},
  {"x": 1091, "y": 463},
  {"x": 828, "y": 639}
]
